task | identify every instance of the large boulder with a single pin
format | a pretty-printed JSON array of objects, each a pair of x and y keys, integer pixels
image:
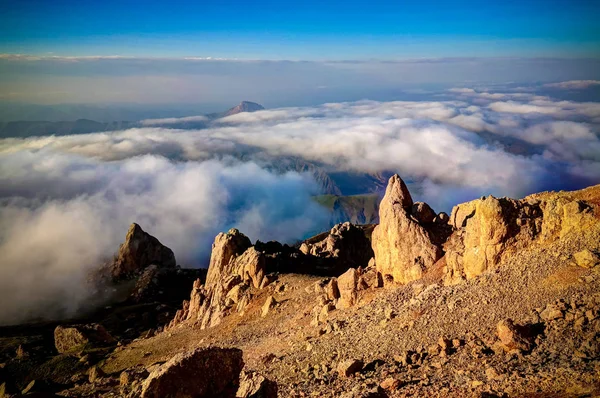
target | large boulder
[
  {"x": 77, "y": 337},
  {"x": 403, "y": 246},
  {"x": 203, "y": 372},
  {"x": 140, "y": 250}
]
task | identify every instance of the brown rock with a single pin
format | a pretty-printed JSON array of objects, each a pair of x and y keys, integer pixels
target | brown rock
[
  {"x": 486, "y": 229},
  {"x": 76, "y": 337},
  {"x": 586, "y": 259},
  {"x": 347, "y": 285},
  {"x": 349, "y": 367},
  {"x": 512, "y": 336},
  {"x": 250, "y": 266},
  {"x": 140, "y": 250},
  {"x": 20, "y": 353},
  {"x": 225, "y": 247},
  {"x": 206, "y": 372},
  {"x": 422, "y": 212},
  {"x": 125, "y": 378},
  {"x": 95, "y": 373},
  {"x": 254, "y": 385},
  {"x": 269, "y": 303},
  {"x": 345, "y": 246},
  {"x": 332, "y": 290},
  {"x": 403, "y": 247},
  {"x": 390, "y": 384}
]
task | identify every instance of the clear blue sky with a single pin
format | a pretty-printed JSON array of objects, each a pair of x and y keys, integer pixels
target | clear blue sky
[{"x": 311, "y": 29}]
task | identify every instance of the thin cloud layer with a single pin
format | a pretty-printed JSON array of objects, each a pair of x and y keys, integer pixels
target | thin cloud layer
[
  {"x": 66, "y": 201},
  {"x": 574, "y": 84}
]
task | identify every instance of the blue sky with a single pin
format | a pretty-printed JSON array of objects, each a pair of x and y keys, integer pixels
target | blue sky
[{"x": 307, "y": 30}]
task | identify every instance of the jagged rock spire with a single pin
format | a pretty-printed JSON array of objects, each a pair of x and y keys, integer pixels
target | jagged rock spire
[{"x": 402, "y": 245}]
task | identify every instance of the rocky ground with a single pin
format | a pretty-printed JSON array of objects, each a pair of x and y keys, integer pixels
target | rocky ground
[{"x": 499, "y": 299}]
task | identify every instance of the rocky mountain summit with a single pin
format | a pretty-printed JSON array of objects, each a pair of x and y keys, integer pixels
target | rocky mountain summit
[{"x": 499, "y": 299}]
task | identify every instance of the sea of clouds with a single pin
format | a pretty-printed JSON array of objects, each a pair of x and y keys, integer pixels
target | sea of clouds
[{"x": 66, "y": 202}]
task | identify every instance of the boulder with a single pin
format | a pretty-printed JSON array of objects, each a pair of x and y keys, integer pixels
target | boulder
[
  {"x": 140, "y": 250},
  {"x": 403, "y": 247},
  {"x": 76, "y": 337},
  {"x": 513, "y": 337},
  {"x": 348, "y": 288},
  {"x": 233, "y": 263},
  {"x": 95, "y": 373},
  {"x": 203, "y": 372},
  {"x": 254, "y": 385},
  {"x": 349, "y": 367},
  {"x": 586, "y": 259}
]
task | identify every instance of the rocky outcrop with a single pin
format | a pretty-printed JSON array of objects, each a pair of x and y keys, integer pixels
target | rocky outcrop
[
  {"x": 139, "y": 251},
  {"x": 403, "y": 246},
  {"x": 346, "y": 245},
  {"x": 489, "y": 229},
  {"x": 235, "y": 267},
  {"x": 225, "y": 247},
  {"x": 77, "y": 337},
  {"x": 207, "y": 372},
  {"x": 486, "y": 228}
]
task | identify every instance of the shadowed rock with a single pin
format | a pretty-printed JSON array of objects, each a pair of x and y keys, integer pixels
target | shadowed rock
[
  {"x": 76, "y": 337},
  {"x": 207, "y": 372},
  {"x": 140, "y": 250}
]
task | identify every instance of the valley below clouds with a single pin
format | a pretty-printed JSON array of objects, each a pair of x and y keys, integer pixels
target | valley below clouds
[{"x": 66, "y": 201}]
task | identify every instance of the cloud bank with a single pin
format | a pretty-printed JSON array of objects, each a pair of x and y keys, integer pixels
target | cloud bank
[
  {"x": 66, "y": 201},
  {"x": 62, "y": 215}
]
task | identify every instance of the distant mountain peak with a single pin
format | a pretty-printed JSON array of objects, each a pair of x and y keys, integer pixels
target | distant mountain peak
[{"x": 244, "y": 106}]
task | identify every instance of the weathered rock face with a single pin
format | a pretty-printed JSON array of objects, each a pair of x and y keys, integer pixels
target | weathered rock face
[
  {"x": 226, "y": 245},
  {"x": 208, "y": 372},
  {"x": 403, "y": 246},
  {"x": 76, "y": 337},
  {"x": 486, "y": 227},
  {"x": 140, "y": 250},
  {"x": 235, "y": 266}
]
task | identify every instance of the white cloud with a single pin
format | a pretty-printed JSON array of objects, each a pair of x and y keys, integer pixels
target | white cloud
[
  {"x": 48, "y": 246},
  {"x": 86, "y": 189}
]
